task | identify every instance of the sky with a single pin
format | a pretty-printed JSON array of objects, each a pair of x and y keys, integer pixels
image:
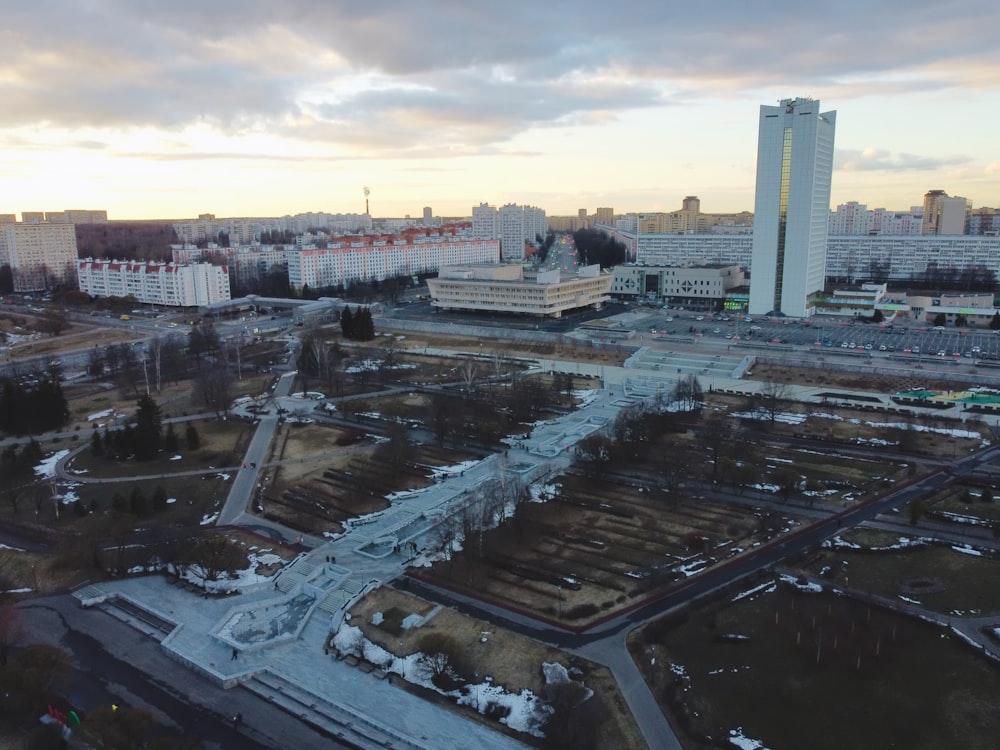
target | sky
[{"x": 152, "y": 109}]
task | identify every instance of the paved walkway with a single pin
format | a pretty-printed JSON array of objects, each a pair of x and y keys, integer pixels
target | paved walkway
[
  {"x": 377, "y": 548},
  {"x": 373, "y": 550}
]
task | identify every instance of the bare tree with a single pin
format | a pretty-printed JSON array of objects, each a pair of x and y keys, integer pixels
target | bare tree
[
  {"x": 213, "y": 557},
  {"x": 468, "y": 370},
  {"x": 774, "y": 398},
  {"x": 214, "y": 388}
]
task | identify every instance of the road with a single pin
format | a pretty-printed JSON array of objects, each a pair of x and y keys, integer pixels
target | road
[{"x": 113, "y": 662}]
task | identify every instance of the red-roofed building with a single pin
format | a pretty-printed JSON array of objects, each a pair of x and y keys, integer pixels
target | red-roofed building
[{"x": 165, "y": 284}]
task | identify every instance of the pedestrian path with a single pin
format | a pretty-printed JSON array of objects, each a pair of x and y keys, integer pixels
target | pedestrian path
[{"x": 269, "y": 638}]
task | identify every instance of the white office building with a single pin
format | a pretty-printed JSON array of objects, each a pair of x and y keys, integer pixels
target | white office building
[
  {"x": 509, "y": 288},
  {"x": 792, "y": 206}
]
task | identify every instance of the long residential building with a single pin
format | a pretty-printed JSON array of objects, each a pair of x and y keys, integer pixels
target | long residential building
[
  {"x": 167, "y": 284},
  {"x": 852, "y": 257},
  {"x": 346, "y": 260},
  {"x": 40, "y": 256}
]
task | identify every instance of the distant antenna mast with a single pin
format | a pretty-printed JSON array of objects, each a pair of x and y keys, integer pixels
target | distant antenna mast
[{"x": 367, "y": 193}]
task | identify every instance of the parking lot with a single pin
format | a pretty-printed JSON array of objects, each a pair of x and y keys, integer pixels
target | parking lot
[{"x": 899, "y": 339}]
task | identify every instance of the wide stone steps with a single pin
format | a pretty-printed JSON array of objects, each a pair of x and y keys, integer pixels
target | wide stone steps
[{"x": 342, "y": 722}]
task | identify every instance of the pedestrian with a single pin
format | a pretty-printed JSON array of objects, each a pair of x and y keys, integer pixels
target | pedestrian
[
  {"x": 237, "y": 721},
  {"x": 253, "y": 465},
  {"x": 244, "y": 464},
  {"x": 235, "y": 655}
]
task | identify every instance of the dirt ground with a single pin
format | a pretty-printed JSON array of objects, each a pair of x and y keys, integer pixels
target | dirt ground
[
  {"x": 596, "y": 546},
  {"x": 512, "y": 660},
  {"x": 815, "y": 376}
]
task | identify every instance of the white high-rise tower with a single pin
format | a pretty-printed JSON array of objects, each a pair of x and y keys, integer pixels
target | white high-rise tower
[{"x": 792, "y": 206}]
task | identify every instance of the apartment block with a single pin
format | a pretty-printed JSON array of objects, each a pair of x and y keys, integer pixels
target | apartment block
[
  {"x": 40, "y": 256},
  {"x": 166, "y": 284}
]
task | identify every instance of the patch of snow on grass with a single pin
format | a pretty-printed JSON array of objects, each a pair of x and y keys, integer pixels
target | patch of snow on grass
[
  {"x": 807, "y": 586},
  {"x": 766, "y": 588},
  {"x": 178, "y": 457},
  {"x": 209, "y": 518},
  {"x": 959, "y": 518},
  {"x": 527, "y": 711},
  {"x": 965, "y": 549},
  {"x": 736, "y": 737},
  {"x": 47, "y": 466},
  {"x": 542, "y": 493}
]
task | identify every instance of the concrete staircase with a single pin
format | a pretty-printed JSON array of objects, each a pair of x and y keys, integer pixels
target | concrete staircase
[{"x": 342, "y": 722}]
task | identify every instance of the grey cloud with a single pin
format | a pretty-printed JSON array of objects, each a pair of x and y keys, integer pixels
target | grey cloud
[
  {"x": 880, "y": 159},
  {"x": 487, "y": 71}
]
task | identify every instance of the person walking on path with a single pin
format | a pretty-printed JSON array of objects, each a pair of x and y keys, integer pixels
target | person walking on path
[
  {"x": 237, "y": 721},
  {"x": 236, "y": 654}
]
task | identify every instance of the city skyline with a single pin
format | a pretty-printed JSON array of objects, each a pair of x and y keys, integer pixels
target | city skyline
[{"x": 170, "y": 112}]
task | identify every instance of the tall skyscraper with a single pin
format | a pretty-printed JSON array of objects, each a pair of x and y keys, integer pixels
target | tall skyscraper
[{"x": 792, "y": 206}]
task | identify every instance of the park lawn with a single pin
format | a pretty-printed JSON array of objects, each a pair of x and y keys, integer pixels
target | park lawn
[
  {"x": 853, "y": 680},
  {"x": 222, "y": 446},
  {"x": 45, "y": 573},
  {"x": 953, "y": 499},
  {"x": 513, "y": 661},
  {"x": 965, "y": 580},
  {"x": 196, "y": 499}
]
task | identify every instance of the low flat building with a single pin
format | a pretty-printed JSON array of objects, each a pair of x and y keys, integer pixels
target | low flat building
[
  {"x": 509, "y": 288},
  {"x": 698, "y": 286}
]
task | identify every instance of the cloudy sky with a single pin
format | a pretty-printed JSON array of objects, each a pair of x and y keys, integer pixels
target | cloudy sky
[{"x": 260, "y": 107}]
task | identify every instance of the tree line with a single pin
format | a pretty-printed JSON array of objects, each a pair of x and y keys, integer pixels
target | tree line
[
  {"x": 357, "y": 325},
  {"x": 32, "y": 409}
]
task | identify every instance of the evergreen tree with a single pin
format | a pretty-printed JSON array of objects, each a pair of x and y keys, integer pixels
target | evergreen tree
[
  {"x": 170, "y": 441},
  {"x": 347, "y": 323},
  {"x": 148, "y": 438},
  {"x": 366, "y": 328},
  {"x": 29, "y": 457},
  {"x": 191, "y": 437},
  {"x": 118, "y": 502},
  {"x": 96, "y": 444},
  {"x": 159, "y": 499},
  {"x": 137, "y": 502}
]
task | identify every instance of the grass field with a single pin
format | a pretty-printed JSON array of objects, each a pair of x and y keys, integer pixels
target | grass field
[
  {"x": 827, "y": 676},
  {"x": 959, "y": 581},
  {"x": 513, "y": 661}
]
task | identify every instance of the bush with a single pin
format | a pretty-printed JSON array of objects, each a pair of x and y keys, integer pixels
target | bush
[{"x": 581, "y": 611}]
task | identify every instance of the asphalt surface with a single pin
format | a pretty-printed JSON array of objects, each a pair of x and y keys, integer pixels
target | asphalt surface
[{"x": 114, "y": 663}]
